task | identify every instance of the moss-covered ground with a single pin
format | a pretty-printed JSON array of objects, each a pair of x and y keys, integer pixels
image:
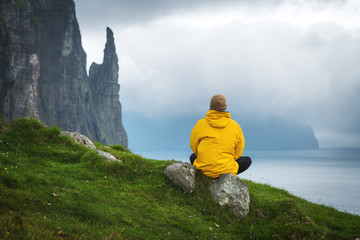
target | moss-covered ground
[{"x": 54, "y": 188}]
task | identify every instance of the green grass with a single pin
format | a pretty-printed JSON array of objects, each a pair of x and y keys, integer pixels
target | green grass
[{"x": 53, "y": 188}]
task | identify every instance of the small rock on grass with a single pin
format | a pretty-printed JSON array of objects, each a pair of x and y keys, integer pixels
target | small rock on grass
[
  {"x": 181, "y": 174},
  {"x": 84, "y": 140}
]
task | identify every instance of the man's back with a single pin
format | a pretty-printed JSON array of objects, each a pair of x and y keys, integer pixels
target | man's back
[{"x": 218, "y": 141}]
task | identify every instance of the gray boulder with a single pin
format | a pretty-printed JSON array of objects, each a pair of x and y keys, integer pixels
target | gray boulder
[
  {"x": 108, "y": 157},
  {"x": 230, "y": 191},
  {"x": 181, "y": 174},
  {"x": 79, "y": 138},
  {"x": 84, "y": 140}
]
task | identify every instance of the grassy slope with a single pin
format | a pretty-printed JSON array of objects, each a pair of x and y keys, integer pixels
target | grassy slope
[{"x": 94, "y": 199}]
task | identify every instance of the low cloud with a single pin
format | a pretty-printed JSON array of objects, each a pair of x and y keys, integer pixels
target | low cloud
[
  {"x": 290, "y": 72},
  {"x": 265, "y": 66},
  {"x": 125, "y": 12}
]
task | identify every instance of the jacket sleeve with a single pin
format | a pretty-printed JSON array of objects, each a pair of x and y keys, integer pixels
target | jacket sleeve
[
  {"x": 194, "y": 138},
  {"x": 239, "y": 148}
]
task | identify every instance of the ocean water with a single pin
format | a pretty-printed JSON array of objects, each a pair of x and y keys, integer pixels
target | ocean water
[{"x": 327, "y": 176}]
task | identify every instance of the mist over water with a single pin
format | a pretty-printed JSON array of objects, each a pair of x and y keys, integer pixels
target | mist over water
[{"x": 326, "y": 176}]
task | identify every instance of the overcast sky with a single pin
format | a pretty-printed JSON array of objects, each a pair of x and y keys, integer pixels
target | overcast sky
[{"x": 295, "y": 59}]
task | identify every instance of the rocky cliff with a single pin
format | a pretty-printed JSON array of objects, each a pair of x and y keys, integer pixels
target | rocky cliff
[{"x": 43, "y": 71}]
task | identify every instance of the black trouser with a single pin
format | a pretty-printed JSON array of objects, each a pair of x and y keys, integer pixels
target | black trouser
[{"x": 243, "y": 162}]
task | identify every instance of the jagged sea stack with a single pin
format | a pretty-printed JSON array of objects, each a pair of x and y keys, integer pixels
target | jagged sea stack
[
  {"x": 43, "y": 71},
  {"x": 105, "y": 89}
]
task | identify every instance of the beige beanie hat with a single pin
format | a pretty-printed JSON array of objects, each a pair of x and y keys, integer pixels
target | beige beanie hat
[{"x": 218, "y": 103}]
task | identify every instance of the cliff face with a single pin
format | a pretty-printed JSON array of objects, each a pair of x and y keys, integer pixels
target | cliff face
[{"x": 43, "y": 71}]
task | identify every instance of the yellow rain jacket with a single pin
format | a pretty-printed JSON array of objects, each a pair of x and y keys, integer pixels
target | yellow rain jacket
[{"x": 217, "y": 141}]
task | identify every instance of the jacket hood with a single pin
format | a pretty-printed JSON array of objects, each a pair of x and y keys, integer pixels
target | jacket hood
[{"x": 217, "y": 119}]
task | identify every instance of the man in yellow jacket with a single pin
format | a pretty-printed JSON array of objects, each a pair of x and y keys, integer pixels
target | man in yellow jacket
[{"x": 218, "y": 142}]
